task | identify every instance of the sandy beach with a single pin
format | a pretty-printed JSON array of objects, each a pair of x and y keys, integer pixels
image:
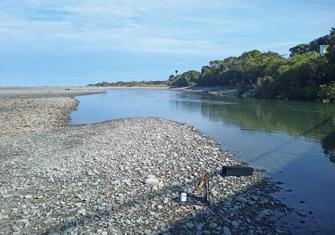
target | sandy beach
[{"x": 119, "y": 177}]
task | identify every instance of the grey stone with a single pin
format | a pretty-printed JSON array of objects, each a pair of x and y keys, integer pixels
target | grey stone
[{"x": 226, "y": 231}]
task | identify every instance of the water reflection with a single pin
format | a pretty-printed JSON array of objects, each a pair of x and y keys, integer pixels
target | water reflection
[
  {"x": 301, "y": 119},
  {"x": 328, "y": 145}
]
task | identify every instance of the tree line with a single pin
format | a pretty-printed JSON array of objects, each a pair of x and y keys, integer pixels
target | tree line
[
  {"x": 130, "y": 84},
  {"x": 304, "y": 75}
]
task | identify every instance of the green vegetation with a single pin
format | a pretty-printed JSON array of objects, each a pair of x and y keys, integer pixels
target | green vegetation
[
  {"x": 130, "y": 84},
  {"x": 305, "y": 75},
  {"x": 189, "y": 78}
]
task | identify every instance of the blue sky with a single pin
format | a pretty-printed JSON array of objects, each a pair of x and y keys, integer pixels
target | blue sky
[{"x": 76, "y": 42}]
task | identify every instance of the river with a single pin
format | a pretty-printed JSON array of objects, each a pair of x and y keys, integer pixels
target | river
[{"x": 294, "y": 142}]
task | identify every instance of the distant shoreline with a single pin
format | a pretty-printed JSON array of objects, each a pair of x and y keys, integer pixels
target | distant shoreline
[
  {"x": 90, "y": 90},
  {"x": 63, "y": 91},
  {"x": 215, "y": 90},
  {"x": 47, "y": 91},
  {"x": 133, "y": 87}
]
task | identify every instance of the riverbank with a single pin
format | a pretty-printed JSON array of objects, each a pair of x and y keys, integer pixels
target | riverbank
[
  {"x": 48, "y": 91},
  {"x": 96, "y": 178},
  {"x": 24, "y": 115},
  {"x": 131, "y": 87},
  {"x": 215, "y": 90},
  {"x": 65, "y": 91}
]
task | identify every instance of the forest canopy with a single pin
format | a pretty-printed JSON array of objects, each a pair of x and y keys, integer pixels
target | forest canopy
[{"x": 304, "y": 75}]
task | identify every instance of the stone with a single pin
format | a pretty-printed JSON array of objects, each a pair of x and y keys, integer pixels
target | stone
[
  {"x": 212, "y": 225},
  {"x": 147, "y": 232},
  {"x": 200, "y": 227},
  {"x": 266, "y": 212},
  {"x": 235, "y": 224},
  {"x": 78, "y": 204},
  {"x": 152, "y": 181},
  {"x": 190, "y": 225},
  {"x": 226, "y": 231},
  {"x": 82, "y": 212}
]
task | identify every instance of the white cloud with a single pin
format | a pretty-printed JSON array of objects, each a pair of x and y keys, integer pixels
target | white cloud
[
  {"x": 165, "y": 26},
  {"x": 106, "y": 25}
]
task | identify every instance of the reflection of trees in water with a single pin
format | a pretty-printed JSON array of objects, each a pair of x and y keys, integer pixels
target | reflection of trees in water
[
  {"x": 310, "y": 120},
  {"x": 328, "y": 145}
]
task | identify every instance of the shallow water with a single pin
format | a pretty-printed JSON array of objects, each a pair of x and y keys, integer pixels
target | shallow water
[{"x": 293, "y": 141}]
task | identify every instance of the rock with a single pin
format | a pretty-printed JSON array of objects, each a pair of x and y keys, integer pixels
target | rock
[
  {"x": 147, "y": 232},
  {"x": 28, "y": 196},
  {"x": 189, "y": 225},
  {"x": 200, "y": 227},
  {"x": 82, "y": 212},
  {"x": 226, "y": 231},
  {"x": 266, "y": 212},
  {"x": 78, "y": 204},
  {"x": 152, "y": 181},
  {"x": 214, "y": 193},
  {"x": 235, "y": 224},
  {"x": 212, "y": 225},
  {"x": 24, "y": 221},
  {"x": 50, "y": 220},
  {"x": 16, "y": 229}
]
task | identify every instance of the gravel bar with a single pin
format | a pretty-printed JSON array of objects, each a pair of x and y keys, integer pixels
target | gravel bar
[{"x": 120, "y": 177}]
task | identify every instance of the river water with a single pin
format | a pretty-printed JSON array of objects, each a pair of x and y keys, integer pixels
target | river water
[{"x": 294, "y": 142}]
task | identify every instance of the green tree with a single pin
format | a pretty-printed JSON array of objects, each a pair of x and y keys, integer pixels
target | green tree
[{"x": 304, "y": 75}]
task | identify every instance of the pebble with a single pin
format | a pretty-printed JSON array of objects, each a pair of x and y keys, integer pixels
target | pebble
[
  {"x": 212, "y": 225},
  {"x": 226, "y": 231},
  {"x": 78, "y": 204},
  {"x": 82, "y": 212},
  {"x": 118, "y": 177},
  {"x": 151, "y": 181},
  {"x": 235, "y": 224}
]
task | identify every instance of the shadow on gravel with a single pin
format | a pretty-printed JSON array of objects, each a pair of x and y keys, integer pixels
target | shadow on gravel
[
  {"x": 103, "y": 214},
  {"x": 243, "y": 212},
  {"x": 238, "y": 213}
]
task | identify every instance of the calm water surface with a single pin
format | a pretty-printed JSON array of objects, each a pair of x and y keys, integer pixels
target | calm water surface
[{"x": 293, "y": 141}]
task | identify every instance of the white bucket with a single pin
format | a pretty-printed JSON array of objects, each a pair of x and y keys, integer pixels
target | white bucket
[{"x": 183, "y": 197}]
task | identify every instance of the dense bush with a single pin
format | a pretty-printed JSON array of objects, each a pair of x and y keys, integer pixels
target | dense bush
[
  {"x": 186, "y": 79},
  {"x": 304, "y": 75}
]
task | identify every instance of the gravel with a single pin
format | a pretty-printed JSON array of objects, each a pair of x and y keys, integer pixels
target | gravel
[
  {"x": 23, "y": 115},
  {"x": 120, "y": 177}
]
